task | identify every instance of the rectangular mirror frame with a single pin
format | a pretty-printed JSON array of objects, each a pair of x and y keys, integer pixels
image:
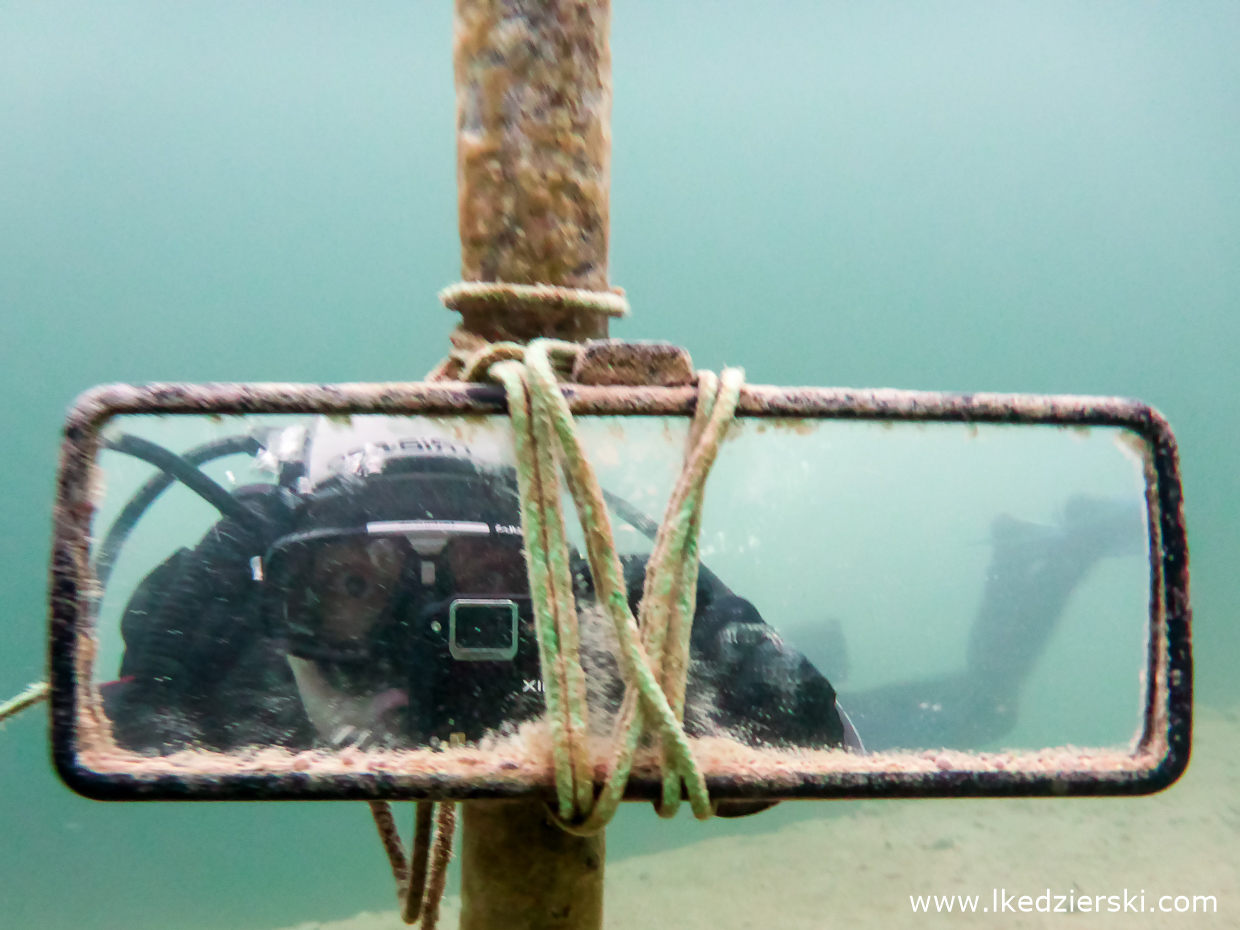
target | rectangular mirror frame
[{"x": 1160, "y": 757}]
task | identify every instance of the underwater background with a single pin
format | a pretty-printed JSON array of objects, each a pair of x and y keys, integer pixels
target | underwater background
[{"x": 965, "y": 196}]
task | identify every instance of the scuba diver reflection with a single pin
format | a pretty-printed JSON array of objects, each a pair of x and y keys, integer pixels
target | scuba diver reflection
[{"x": 376, "y": 596}]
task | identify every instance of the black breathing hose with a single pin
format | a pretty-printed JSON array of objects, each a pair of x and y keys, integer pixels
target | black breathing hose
[{"x": 173, "y": 467}]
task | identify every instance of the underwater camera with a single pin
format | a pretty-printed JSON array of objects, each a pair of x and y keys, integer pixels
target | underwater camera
[{"x": 402, "y": 596}]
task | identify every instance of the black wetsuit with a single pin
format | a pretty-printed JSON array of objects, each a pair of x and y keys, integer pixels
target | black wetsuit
[
  {"x": 204, "y": 664},
  {"x": 201, "y": 667}
]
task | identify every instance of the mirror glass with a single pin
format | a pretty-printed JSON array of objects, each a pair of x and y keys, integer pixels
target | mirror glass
[{"x": 356, "y": 585}]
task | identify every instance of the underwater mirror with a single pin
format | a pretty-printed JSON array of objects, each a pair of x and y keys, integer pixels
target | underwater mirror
[{"x": 305, "y": 605}]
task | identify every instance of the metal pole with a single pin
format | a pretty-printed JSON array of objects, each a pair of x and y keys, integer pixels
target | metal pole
[
  {"x": 521, "y": 872},
  {"x": 533, "y": 106},
  {"x": 533, "y": 86}
]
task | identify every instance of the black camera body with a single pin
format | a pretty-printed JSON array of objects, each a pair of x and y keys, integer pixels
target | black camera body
[
  {"x": 412, "y": 582},
  {"x": 470, "y": 666}
]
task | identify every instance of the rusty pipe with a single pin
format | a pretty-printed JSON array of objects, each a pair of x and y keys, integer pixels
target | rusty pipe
[
  {"x": 533, "y": 94},
  {"x": 533, "y": 91}
]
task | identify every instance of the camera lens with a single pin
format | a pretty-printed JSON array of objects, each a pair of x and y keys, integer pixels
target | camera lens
[{"x": 482, "y": 629}]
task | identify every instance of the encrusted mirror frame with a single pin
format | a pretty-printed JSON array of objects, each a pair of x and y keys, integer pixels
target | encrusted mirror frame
[{"x": 89, "y": 762}]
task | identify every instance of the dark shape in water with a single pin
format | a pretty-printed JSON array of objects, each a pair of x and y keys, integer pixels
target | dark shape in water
[{"x": 1033, "y": 571}]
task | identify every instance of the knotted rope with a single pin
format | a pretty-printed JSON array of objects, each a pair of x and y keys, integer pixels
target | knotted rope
[
  {"x": 654, "y": 649},
  {"x": 655, "y": 653}
]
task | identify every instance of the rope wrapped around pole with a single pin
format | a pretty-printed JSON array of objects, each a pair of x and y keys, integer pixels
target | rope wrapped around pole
[
  {"x": 654, "y": 653},
  {"x": 654, "y": 648}
]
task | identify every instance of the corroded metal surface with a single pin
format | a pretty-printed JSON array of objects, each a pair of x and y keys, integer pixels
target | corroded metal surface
[
  {"x": 609, "y": 362},
  {"x": 88, "y": 760},
  {"x": 533, "y": 140},
  {"x": 759, "y": 400},
  {"x": 533, "y": 85},
  {"x": 504, "y": 885}
]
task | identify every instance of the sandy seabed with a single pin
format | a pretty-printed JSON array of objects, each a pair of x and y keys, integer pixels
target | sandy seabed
[{"x": 860, "y": 869}]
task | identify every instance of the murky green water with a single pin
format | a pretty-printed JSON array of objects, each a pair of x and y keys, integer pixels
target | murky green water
[{"x": 1034, "y": 197}]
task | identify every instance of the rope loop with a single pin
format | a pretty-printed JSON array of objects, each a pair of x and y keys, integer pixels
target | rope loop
[
  {"x": 546, "y": 299},
  {"x": 476, "y": 366},
  {"x": 654, "y": 649},
  {"x": 420, "y": 879}
]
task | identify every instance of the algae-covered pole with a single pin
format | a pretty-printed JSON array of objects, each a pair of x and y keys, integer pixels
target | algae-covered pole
[
  {"x": 521, "y": 872},
  {"x": 533, "y": 94},
  {"x": 533, "y": 85}
]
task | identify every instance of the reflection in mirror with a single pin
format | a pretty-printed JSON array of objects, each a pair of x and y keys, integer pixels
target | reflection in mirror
[{"x": 357, "y": 584}]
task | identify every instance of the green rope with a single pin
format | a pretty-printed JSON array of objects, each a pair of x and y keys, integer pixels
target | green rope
[
  {"x": 28, "y": 698},
  {"x": 654, "y": 653}
]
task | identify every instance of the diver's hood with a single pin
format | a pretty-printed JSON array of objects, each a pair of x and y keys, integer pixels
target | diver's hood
[
  {"x": 396, "y": 539},
  {"x": 374, "y": 444},
  {"x": 426, "y": 490},
  {"x": 379, "y": 468}
]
